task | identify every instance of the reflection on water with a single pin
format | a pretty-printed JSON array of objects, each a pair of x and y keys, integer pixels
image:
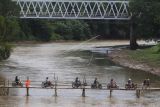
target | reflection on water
[{"x": 41, "y": 60}]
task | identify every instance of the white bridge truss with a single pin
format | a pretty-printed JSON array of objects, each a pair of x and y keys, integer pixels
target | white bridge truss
[{"x": 70, "y": 9}]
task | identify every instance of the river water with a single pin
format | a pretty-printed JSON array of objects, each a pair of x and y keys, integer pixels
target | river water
[{"x": 67, "y": 61}]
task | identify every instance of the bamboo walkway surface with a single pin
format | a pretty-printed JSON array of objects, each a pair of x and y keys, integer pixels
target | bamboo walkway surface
[
  {"x": 6, "y": 86},
  {"x": 38, "y": 87}
]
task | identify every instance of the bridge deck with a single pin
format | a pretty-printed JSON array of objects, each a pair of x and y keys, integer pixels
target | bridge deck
[{"x": 37, "y": 87}]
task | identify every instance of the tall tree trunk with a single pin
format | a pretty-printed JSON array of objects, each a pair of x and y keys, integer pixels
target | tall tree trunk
[{"x": 133, "y": 38}]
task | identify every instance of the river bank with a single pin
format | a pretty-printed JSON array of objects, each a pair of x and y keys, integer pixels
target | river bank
[{"x": 127, "y": 58}]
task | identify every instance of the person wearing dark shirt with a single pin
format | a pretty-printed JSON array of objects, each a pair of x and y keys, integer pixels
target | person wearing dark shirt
[
  {"x": 17, "y": 80},
  {"x": 129, "y": 82},
  {"x": 76, "y": 80},
  {"x": 95, "y": 81}
]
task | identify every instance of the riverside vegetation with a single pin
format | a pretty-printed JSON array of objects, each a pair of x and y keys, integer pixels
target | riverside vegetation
[
  {"x": 151, "y": 55},
  {"x": 146, "y": 59}
]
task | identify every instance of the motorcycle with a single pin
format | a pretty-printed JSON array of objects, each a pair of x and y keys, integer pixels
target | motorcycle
[
  {"x": 47, "y": 84},
  {"x": 146, "y": 84},
  {"x": 84, "y": 84},
  {"x": 131, "y": 86},
  {"x": 113, "y": 86},
  {"x": 76, "y": 84},
  {"x": 15, "y": 84},
  {"x": 96, "y": 86}
]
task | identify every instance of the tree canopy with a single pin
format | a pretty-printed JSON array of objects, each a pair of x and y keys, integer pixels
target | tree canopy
[
  {"x": 9, "y": 26},
  {"x": 146, "y": 17}
]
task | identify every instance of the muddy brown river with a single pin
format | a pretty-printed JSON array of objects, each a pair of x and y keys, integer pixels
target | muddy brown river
[{"x": 68, "y": 61}]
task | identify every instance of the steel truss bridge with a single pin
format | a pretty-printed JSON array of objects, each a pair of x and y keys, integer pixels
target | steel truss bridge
[{"x": 74, "y": 9}]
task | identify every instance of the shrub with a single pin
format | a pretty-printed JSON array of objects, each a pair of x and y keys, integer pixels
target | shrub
[{"x": 5, "y": 51}]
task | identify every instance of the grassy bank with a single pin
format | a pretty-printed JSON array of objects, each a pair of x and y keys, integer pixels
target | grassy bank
[
  {"x": 150, "y": 56},
  {"x": 147, "y": 59}
]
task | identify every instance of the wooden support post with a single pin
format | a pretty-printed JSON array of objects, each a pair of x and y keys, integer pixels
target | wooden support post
[
  {"x": 138, "y": 93},
  {"x": 84, "y": 84},
  {"x": 107, "y": 52},
  {"x": 8, "y": 83},
  {"x": 8, "y": 88},
  {"x": 55, "y": 90},
  {"x": 27, "y": 89},
  {"x": 83, "y": 92},
  {"x": 4, "y": 83},
  {"x": 3, "y": 89},
  {"x": 55, "y": 79},
  {"x": 111, "y": 92},
  {"x": 27, "y": 83}
]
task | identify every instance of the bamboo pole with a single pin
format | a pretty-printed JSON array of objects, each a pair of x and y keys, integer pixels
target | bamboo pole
[
  {"x": 8, "y": 88},
  {"x": 83, "y": 92},
  {"x": 138, "y": 93},
  {"x": 55, "y": 89},
  {"x": 55, "y": 79},
  {"x": 110, "y": 92},
  {"x": 27, "y": 89}
]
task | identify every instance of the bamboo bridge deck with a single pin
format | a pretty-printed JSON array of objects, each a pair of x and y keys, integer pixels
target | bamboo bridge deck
[{"x": 7, "y": 86}]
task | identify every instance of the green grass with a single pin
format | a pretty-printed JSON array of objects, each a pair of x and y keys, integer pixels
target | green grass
[{"x": 151, "y": 56}]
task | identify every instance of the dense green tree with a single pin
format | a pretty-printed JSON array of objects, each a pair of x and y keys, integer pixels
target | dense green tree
[
  {"x": 41, "y": 29},
  {"x": 8, "y": 8},
  {"x": 5, "y": 50},
  {"x": 73, "y": 29},
  {"x": 145, "y": 19},
  {"x": 109, "y": 29},
  {"x": 8, "y": 26}
]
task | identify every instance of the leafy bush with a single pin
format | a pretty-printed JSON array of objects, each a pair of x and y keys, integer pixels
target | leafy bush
[
  {"x": 5, "y": 51},
  {"x": 155, "y": 49},
  {"x": 55, "y": 37},
  {"x": 158, "y": 48}
]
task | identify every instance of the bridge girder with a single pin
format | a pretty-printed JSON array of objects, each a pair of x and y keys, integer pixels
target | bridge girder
[{"x": 69, "y": 9}]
